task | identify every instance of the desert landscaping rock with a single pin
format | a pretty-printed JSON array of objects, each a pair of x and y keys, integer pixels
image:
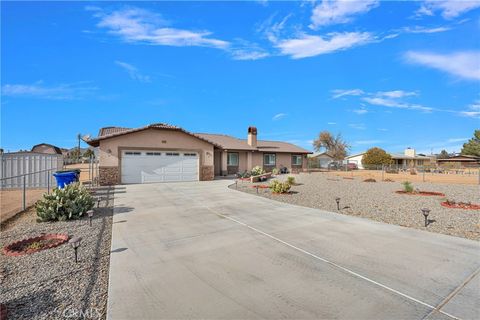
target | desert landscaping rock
[
  {"x": 379, "y": 201},
  {"x": 48, "y": 284}
]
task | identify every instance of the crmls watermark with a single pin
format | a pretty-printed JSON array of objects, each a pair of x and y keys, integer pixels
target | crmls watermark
[{"x": 76, "y": 313}]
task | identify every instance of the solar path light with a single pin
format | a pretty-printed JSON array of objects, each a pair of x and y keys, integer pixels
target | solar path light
[
  {"x": 90, "y": 215},
  {"x": 338, "y": 203},
  {"x": 75, "y": 242},
  {"x": 425, "y": 212}
]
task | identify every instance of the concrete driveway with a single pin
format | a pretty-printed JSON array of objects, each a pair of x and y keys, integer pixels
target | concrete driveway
[{"x": 201, "y": 250}]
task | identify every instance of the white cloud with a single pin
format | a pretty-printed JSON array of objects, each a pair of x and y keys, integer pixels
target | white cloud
[
  {"x": 360, "y": 111},
  {"x": 338, "y": 93},
  {"x": 382, "y": 129},
  {"x": 339, "y": 11},
  {"x": 242, "y": 54},
  {"x": 420, "y": 29},
  {"x": 279, "y": 116},
  {"x": 133, "y": 72},
  {"x": 396, "y": 94},
  {"x": 457, "y": 140},
  {"x": 142, "y": 26},
  {"x": 55, "y": 92},
  {"x": 393, "y": 103},
  {"x": 331, "y": 123},
  {"x": 463, "y": 64},
  {"x": 313, "y": 45},
  {"x": 473, "y": 110},
  {"x": 358, "y": 126},
  {"x": 449, "y": 9}
]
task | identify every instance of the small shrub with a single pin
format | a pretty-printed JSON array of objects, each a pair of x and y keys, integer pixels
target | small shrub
[
  {"x": 244, "y": 174},
  {"x": 274, "y": 171},
  {"x": 279, "y": 187},
  {"x": 370, "y": 180},
  {"x": 257, "y": 170},
  {"x": 71, "y": 202},
  {"x": 407, "y": 187},
  {"x": 291, "y": 180},
  {"x": 388, "y": 180}
]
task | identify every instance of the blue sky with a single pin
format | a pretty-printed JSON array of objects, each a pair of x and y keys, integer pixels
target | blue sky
[{"x": 388, "y": 74}]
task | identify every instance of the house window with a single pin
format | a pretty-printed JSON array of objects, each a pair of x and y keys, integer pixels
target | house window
[
  {"x": 172, "y": 154},
  {"x": 269, "y": 159},
  {"x": 189, "y": 154},
  {"x": 232, "y": 159},
  {"x": 296, "y": 160},
  {"x": 131, "y": 153},
  {"x": 153, "y": 153}
]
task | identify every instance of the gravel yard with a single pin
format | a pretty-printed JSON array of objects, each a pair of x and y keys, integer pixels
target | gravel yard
[
  {"x": 378, "y": 201},
  {"x": 49, "y": 284}
]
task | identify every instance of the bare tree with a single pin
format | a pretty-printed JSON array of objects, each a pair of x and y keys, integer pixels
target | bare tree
[{"x": 335, "y": 146}]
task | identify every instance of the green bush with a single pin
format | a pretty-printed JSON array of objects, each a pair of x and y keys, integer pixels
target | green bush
[
  {"x": 291, "y": 180},
  {"x": 71, "y": 202},
  {"x": 257, "y": 170},
  {"x": 279, "y": 187},
  {"x": 274, "y": 171},
  {"x": 407, "y": 187}
]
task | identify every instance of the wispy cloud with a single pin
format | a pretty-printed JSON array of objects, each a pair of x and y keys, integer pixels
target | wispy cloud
[
  {"x": 360, "y": 111},
  {"x": 330, "y": 12},
  {"x": 279, "y": 116},
  {"x": 313, "y": 45},
  {"x": 473, "y": 110},
  {"x": 367, "y": 142},
  {"x": 358, "y": 126},
  {"x": 449, "y": 9},
  {"x": 394, "y": 103},
  {"x": 52, "y": 92},
  {"x": 331, "y": 123},
  {"x": 396, "y": 94},
  {"x": 420, "y": 29},
  {"x": 462, "y": 64},
  {"x": 133, "y": 71},
  {"x": 453, "y": 140},
  {"x": 137, "y": 25},
  {"x": 338, "y": 93}
]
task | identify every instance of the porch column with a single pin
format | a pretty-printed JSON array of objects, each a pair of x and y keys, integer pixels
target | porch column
[
  {"x": 223, "y": 169},
  {"x": 249, "y": 160}
]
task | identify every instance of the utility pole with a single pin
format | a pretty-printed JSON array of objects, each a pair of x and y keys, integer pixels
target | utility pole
[{"x": 79, "y": 136}]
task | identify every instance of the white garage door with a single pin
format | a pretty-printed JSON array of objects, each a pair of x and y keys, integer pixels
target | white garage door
[{"x": 159, "y": 166}]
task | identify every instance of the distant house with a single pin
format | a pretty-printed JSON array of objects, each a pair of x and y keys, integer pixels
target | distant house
[
  {"x": 460, "y": 161},
  {"x": 409, "y": 159},
  {"x": 46, "y": 148},
  {"x": 319, "y": 160}
]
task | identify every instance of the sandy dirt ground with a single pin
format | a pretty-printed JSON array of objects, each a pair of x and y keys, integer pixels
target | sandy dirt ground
[
  {"x": 11, "y": 201},
  {"x": 84, "y": 174},
  {"x": 405, "y": 176}
]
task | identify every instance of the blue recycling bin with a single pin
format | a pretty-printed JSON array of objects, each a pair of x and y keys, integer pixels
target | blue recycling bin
[{"x": 64, "y": 178}]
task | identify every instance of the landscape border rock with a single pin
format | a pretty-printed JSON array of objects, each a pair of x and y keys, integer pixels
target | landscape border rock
[{"x": 421, "y": 193}]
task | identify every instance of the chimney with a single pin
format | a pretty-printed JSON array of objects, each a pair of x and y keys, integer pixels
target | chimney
[
  {"x": 252, "y": 137},
  {"x": 409, "y": 152}
]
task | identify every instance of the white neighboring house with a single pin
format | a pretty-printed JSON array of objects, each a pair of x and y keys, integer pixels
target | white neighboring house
[
  {"x": 409, "y": 159},
  {"x": 320, "y": 159}
]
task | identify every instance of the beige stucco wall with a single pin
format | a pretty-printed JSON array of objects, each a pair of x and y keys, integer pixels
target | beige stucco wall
[
  {"x": 153, "y": 139},
  {"x": 282, "y": 160}
]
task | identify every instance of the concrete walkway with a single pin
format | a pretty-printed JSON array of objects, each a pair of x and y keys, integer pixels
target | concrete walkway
[{"x": 201, "y": 250}]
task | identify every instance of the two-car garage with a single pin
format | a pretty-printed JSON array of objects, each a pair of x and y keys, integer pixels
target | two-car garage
[{"x": 148, "y": 166}]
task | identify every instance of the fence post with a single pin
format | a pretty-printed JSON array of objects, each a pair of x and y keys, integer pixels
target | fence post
[
  {"x": 479, "y": 175},
  {"x": 423, "y": 168},
  {"x": 48, "y": 181},
  {"x": 383, "y": 172},
  {"x": 24, "y": 195}
]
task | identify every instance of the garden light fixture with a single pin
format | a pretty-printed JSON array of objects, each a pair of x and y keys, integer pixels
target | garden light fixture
[
  {"x": 75, "y": 242},
  {"x": 98, "y": 202},
  {"x": 425, "y": 212},
  {"x": 256, "y": 187},
  {"x": 338, "y": 203},
  {"x": 90, "y": 215}
]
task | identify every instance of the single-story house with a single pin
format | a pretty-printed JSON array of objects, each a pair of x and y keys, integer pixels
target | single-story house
[
  {"x": 319, "y": 160},
  {"x": 162, "y": 153},
  {"x": 408, "y": 159},
  {"x": 46, "y": 148},
  {"x": 460, "y": 161}
]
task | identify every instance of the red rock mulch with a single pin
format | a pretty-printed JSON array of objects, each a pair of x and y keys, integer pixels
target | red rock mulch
[
  {"x": 461, "y": 205},
  {"x": 43, "y": 242},
  {"x": 421, "y": 193}
]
